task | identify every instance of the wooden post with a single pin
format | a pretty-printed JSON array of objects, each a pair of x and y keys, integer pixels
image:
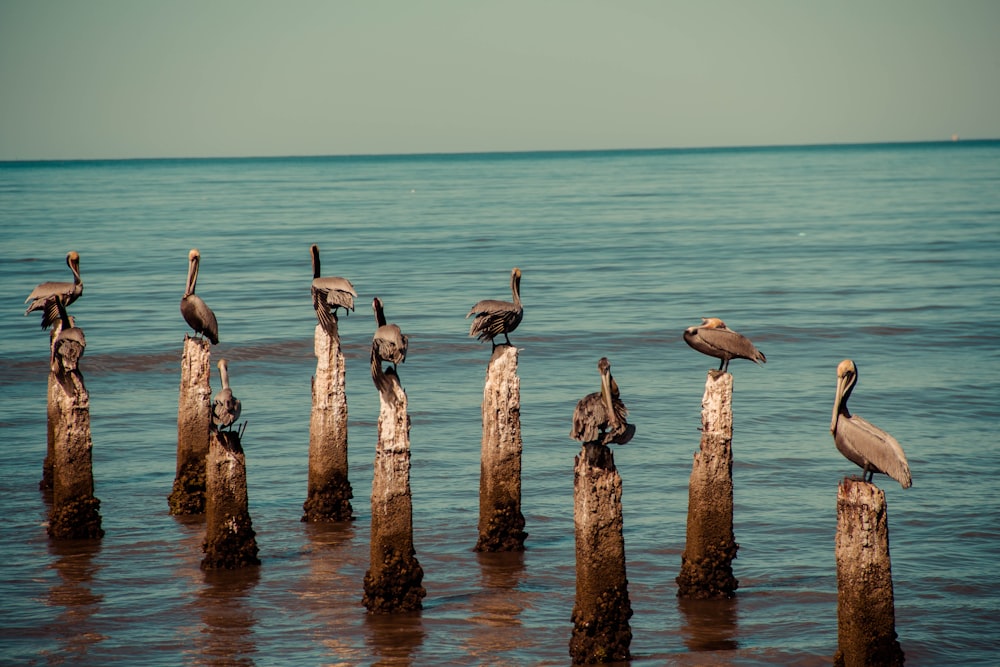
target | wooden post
[
  {"x": 329, "y": 490},
  {"x": 501, "y": 524},
  {"x": 194, "y": 422},
  {"x": 866, "y": 616},
  {"x": 75, "y": 510},
  {"x": 229, "y": 536},
  {"x": 52, "y": 417},
  {"x": 601, "y": 613},
  {"x": 707, "y": 562},
  {"x": 393, "y": 581}
]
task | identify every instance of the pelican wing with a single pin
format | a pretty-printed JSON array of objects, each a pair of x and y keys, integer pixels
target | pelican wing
[
  {"x": 389, "y": 344},
  {"x": 589, "y": 418},
  {"x": 874, "y": 446},
  {"x": 726, "y": 342}
]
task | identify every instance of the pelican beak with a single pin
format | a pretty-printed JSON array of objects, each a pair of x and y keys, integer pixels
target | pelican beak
[
  {"x": 837, "y": 400},
  {"x": 606, "y": 397}
]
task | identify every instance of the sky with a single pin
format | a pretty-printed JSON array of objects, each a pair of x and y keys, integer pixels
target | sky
[{"x": 188, "y": 78}]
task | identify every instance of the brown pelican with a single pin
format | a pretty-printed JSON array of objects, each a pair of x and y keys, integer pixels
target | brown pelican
[
  {"x": 601, "y": 416},
  {"x": 329, "y": 294},
  {"x": 198, "y": 315},
  {"x": 862, "y": 443},
  {"x": 69, "y": 343},
  {"x": 495, "y": 317},
  {"x": 225, "y": 407},
  {"x": 715, "y": 339},
  {"x": 389, "y": 343},
  {"x": 43, "y": 297}
]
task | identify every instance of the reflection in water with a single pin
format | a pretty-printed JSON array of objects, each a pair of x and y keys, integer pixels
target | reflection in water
[
  {"x": 227, "y": 635},
  {"x": 74, "y": 561},
  {"x": 498, "y": 605},
  {"x": 394, "y": 638},
  {"x": 330, "y": 591},
  {"x": 709, "y": 625}
]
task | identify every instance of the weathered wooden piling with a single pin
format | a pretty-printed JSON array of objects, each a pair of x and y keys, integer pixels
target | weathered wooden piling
[
  {"x": 501, "y": 524},
  {"x": 75, "y": 511},
  {"x": 866, "y": 616},
  {"x": 230, "y": 540},
  {"x": 329, "y": 490},
  {"x": 710, "y": 548},
  {"x": 601, "y": 613},
  {"x": 393, "y": 580},
  {"x": 194, "y": 423}
]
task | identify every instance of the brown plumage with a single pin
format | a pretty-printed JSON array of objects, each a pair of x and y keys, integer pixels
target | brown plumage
[
  {"x": 861, "y": 442},
  {"x": 196, "y": 313},
  {"x": 494, "y": 317},
  {"x": 69, "y": 343},
  {"x": 601, "y": 416},
  {"x": 226, "y": 408},
  {"x": 714, "y": 338},
  {"x": 43, "y": 296},
  {"x": 329, "y": 293},
  {"x": 388, "y": 344}
]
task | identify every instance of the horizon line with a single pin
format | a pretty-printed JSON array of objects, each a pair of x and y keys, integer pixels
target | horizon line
[{"x": 543, "y": 151}]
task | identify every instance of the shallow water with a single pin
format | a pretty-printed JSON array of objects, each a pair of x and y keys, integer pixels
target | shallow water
[{"x": 884, "y": 254}]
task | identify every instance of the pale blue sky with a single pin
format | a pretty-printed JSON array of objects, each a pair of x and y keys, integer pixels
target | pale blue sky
[{"x": 138, "y": 78}]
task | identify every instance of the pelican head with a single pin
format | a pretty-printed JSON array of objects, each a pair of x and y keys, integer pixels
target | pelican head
[
  {"x": 194, "y": 259},
  {"x": 847, "y": 377}
]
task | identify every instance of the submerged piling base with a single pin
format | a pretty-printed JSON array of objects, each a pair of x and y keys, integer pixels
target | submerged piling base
[
  {"x": 501, "y": 523},
  {"x": 329, "y": 489},
  {"x": 194, "y": 423},
  {"x": 229, "y": 536},
  {"x": 393, "y": 580},
  {"x": 601, "y": 613},
  {"x": 866, "y": 615},
  {"x": 710, "y": 547},
  {"x": 75, "y": 511}
]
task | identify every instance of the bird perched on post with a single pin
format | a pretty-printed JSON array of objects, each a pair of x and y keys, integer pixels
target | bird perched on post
[
  {"x": 861, "y": 442},
  {"x": 601, "y": 416},
  {"x": 329, "y": 293},
  {"x": 226, "y": 408},
  {"x": 494, "y": 317},
  {"x": 69, "y": 344},
  {"x": 196, "y": 313},
  {"x": 714, "y": 338},
  {"x": 389, "y": 343},
  {"x": 43, "y": 297}
]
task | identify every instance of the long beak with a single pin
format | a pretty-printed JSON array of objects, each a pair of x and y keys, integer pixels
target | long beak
[
  {"x": 837, "y": 401},
  {"x": 606, "y": 396}
]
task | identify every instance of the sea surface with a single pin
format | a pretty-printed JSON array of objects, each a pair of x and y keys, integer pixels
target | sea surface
[{"x": 885, "y": 254}]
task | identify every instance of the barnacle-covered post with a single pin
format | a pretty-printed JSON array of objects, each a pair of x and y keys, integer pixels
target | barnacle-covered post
[
  {"x": 393, "y": 580},
  {"x": 329, "y": 490},
  {"x": 710, "y": 548},
  {"x": 75, "y": 510},
  {"x": 194, "y": 422},
  {"x": 230, "y": 540},
  {"x": 866, "y": 615},
  {"x": 501, "y": 524}
]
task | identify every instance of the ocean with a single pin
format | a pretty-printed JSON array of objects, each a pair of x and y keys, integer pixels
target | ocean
[{"x": 885, "y": 254}]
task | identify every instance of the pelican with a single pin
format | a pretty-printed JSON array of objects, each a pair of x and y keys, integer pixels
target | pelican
[
  {"x": 329, "y": 294},
  {"x": 495, "y": 317},
  {"x": 198, "y": 315},
  {"x": 601, "y": 416},
  {"x": 389, "y": 343},
  {"x": 69, "y": 343},
  {"x": 714, "y": 338},
  {"x": 43, "y": 297},
  {"x": 226, "y": 407},
  {"x": 862, "y": 443}
]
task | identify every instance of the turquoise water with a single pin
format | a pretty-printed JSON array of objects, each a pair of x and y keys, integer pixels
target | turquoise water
[{"x": 886, "y": 254}]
